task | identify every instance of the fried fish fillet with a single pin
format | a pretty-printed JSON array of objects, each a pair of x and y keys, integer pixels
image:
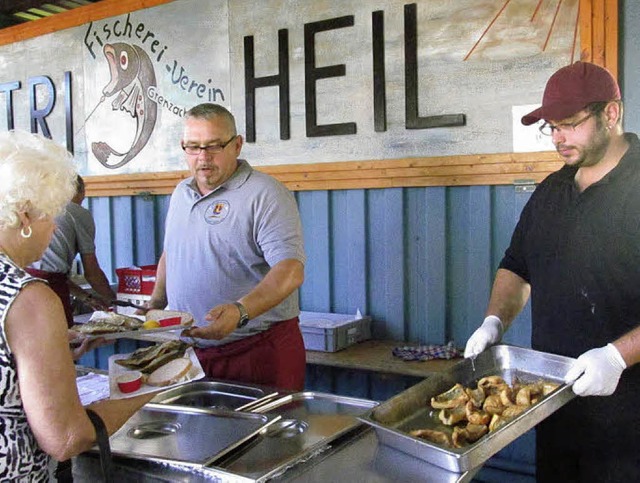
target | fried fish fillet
[
  {"x": 476, "y": 396},
  {"x": 451, "y": 416},
  {"x": 514, "y": 411},
  {"x": 148, "y": 359},
  {"x": 523, "y": 397},
  {"x": 492, "y": 385},
  {"x": 98, "y": 327},
  {"x": 477, "y": 416},
  {"x": 473, "y": 412},
  {"x": 454, "y": 397},
  {"x": 493, "y": 404},
  {"x": 435, "y": 436},
  {"x": 463, "y": 436},
  {"x": 109, "y": 323}
]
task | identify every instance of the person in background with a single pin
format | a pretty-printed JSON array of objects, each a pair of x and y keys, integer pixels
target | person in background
[
  {"x": 233, "y": 257},
  {"x": 575, "y": 251},
  {"x": 41, "y": 414},
  {"x": 75, "y": 233}
]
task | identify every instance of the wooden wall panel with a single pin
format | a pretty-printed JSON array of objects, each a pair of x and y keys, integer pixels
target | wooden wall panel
[
  {"x": 74, "y": 18},
  {"x": 468, "y": 170},
  {"x": 599, "y": 33}
]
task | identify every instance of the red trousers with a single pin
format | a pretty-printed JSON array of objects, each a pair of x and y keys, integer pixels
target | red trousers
[
  {"x": 275, "y": 358},
  {"x": 59, "y": 284}
]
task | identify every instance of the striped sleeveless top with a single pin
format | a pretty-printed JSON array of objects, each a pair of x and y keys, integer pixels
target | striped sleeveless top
[{"x": 21, "y": 459}]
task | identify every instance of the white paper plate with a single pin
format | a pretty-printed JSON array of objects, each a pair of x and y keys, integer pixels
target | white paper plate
[
  {"x": 135, "y": 333},
  {"x": 196, "y": 372},
  {"x": 129, "y": 333}
]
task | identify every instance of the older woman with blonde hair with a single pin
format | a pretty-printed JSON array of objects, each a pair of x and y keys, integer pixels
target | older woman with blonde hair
[{"x": 41, "y": 415}]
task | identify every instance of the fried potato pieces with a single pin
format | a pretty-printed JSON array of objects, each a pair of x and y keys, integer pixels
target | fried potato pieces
[{"x": 468, "y": 414}]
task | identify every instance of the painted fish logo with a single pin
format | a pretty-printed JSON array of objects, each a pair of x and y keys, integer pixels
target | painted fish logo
[{"x": 131, "y": 75}]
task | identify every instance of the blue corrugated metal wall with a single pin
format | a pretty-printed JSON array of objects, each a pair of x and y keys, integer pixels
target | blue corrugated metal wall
[{"x": 420, "y": 261}]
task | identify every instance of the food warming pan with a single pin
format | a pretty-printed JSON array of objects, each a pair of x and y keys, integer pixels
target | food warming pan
[{"x": 411, "y": 409}]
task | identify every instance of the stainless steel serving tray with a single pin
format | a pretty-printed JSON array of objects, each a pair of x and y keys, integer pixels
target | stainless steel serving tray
[
  {"x": 411, "y": 409},
  {"x": 309, "y": 423},
  {"x": 211, "y": 394},
  {"x": 183, "y": 435}
]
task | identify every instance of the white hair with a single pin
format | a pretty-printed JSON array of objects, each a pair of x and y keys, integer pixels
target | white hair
[{"x": 37, "y": 176}]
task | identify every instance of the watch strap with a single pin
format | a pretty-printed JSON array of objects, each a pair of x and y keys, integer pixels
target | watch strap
[{"x": 244, "y": 315}]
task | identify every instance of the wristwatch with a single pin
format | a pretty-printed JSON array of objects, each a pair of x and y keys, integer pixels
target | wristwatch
[{"x": 244, "y": 315}]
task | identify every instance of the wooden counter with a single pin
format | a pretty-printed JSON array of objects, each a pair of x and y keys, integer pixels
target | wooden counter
[
  {"x": 376, "y": 355},
  {"x": 370, "y": 355}
]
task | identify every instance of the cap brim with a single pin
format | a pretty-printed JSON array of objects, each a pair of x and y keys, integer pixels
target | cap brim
[
  {"x": 554, "y": 112},
  {"x": 532, "y": 117}
]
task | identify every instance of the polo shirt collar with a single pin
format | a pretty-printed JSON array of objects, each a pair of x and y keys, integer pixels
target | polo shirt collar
[
  {"x": 239, "y": 176},
  {"x": 237, "y": 179},
  {"x": 628, "y": 162},
  {"x": 629, "y": 159}
]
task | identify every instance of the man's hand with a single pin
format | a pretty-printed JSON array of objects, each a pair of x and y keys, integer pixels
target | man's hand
[
  {"x": 596, "y": 372},
  {"x": 489, "y": 333},
  {"x": 96, "y": 302},
  {"x": 223, "y": 319},
  {"x": 149, "y": 305},
  {"x": 142, "y": 310}
]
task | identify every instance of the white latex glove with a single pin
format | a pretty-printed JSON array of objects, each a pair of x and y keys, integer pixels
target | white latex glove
[
  {"x": 489, "y": 333},
  {"x": 596, "y": 372}
]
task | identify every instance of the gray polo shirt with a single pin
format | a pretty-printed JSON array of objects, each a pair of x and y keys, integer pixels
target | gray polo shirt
[
  {"x": 218, "y": 247},
  {"x": 75, "y": 233}
]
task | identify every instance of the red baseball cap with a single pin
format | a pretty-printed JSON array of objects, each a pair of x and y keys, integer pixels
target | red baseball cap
[{"x": 571, "y": 89}]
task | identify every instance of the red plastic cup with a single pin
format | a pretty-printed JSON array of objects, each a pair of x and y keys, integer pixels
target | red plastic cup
[{"x": 129, "y": 381}]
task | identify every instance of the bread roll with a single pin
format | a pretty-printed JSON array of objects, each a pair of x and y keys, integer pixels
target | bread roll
[{"x": 170, "y": 373}]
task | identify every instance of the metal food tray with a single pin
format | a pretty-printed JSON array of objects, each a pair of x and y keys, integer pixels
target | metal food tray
[
  {"x": 186, "y": 436},
  {"x": 310, "y": 422},
  {"x": 411, "y": 409},
  {"x": 212, "y": 394}
]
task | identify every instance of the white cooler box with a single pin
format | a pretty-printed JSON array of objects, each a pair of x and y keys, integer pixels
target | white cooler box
[{"x": 330, "y": 332}]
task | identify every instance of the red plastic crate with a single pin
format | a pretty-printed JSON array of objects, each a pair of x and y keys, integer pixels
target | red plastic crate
[{"x": 137, "y": 280}]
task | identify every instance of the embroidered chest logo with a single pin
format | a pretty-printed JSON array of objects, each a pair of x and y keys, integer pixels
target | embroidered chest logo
[{"x": 216, "y": 212}]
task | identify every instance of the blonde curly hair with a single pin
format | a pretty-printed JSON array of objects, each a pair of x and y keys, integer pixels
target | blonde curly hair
[{"x": 37, "y": 176}]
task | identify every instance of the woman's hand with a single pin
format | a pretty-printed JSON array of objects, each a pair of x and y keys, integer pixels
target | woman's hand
[{"x": 80, "y": 344}]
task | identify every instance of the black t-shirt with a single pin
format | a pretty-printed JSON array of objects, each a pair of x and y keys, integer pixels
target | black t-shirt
[{"x": 581, "y": 254}]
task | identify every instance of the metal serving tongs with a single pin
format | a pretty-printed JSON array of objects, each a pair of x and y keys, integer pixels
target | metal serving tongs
[
  {"x": 250, "y": 406},
  {"x": 124, "y": 303}
]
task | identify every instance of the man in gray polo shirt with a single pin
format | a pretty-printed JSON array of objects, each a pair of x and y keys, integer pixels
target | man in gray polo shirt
[
  {"x": 234, "y": 258},
  {"x": 74, "y": 234}
]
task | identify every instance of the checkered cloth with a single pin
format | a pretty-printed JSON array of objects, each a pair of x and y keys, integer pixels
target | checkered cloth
[{"x": 427, "y": 352}]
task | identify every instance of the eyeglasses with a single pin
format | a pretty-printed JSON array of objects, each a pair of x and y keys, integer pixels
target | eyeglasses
[
  {"x": 548, "y": 129},
  {"x": 194, "y": 150}
]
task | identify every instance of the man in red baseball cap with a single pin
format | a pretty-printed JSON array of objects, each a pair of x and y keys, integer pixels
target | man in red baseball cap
[
  {"x": 572, "y": 89},
  {"x": 575, "y": 253}
]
